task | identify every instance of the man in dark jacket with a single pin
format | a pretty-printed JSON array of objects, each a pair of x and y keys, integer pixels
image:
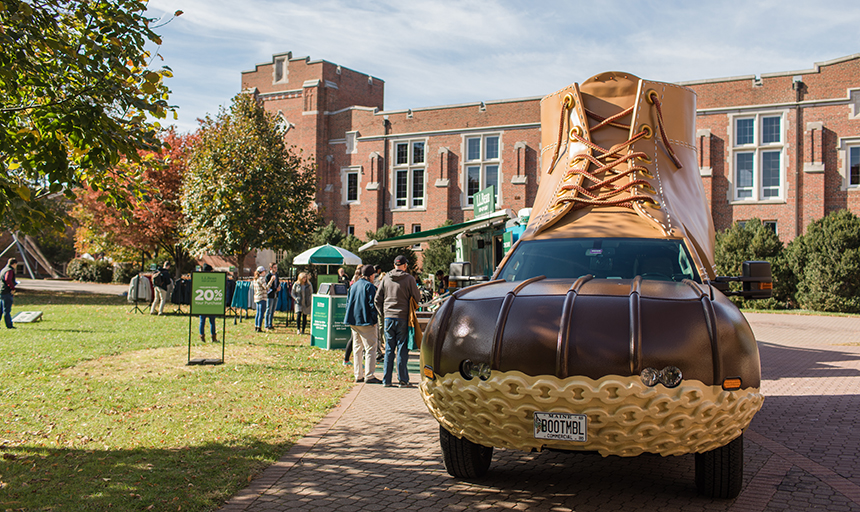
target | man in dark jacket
[
  {"x": 361, "y": 317},
  {"x": 7, "y": 286},
  {"x": 392, "y": 298},
  {"x": 160, "y": 284}
]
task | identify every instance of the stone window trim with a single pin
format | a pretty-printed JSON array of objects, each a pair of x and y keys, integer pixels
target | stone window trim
[
  {"x": 352, "y": 172},
  {"x": 484, "y": 163},
  {"x": 757, "y": 147},
  {"x": 844, "y": 149},
  {"x": 281, "y": 68},
  {"x": 813, "y": 147},
  {"x": 409, "y": 164}
]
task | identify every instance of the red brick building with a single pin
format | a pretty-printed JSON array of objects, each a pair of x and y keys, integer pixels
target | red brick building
[{"x": 783, "y": 147}]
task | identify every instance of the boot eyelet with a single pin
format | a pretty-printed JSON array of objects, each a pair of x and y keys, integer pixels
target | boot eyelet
[
  {"x": 651, "y": 95},
  {"x": 577, "y": 130},
  {"x": 647, "y": 188},
  {"x": 568, "y": 177},
  {"x": 556, "y": 207},
  {"x": 647, "y": 129},
  {"x": 645, "y": 160},
  {"x": 568, "y": 101},
  {"x": 653, "y": 204},
  {"x": 646, "y": 173},
  {"x": 561, "y": 193}
]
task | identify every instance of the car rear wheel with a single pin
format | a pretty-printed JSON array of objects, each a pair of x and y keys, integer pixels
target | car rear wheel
[
  {"x": 720, "y": 472},
  {"x": 463, "y": 458}
]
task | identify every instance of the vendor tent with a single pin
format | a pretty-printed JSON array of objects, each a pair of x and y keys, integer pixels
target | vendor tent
[{"x": 327, "y": 255}]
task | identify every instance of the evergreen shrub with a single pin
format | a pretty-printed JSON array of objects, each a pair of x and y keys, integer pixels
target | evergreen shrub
[
  {"x": 753, "y": 241},
  {"x": 826, "y": 261}
]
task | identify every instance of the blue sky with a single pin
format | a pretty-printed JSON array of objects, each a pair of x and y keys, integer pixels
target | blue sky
[{"x": 445, "y": 52}]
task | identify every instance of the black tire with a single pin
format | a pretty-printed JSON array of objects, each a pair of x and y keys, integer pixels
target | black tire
[
  {"x": 720, "y": 472},
  {"x": 463, "y": 458}
]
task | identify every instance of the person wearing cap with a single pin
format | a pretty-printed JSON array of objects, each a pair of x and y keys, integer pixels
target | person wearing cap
[
  {"x": 392, "y": 298},
  {"x": 361, "y": 317},
  {"x": 261, "y": 289}
]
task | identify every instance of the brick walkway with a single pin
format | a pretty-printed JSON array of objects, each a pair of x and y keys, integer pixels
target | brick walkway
[{"x": 379, "y": 449}]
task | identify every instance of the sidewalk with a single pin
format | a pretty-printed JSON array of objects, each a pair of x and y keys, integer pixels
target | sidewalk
[
  {"x": 71, "y": 286},
  {"x": 379, "y": 448}
]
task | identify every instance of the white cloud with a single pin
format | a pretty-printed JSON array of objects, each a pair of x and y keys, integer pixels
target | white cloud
[{"x": 446, "y": 51}]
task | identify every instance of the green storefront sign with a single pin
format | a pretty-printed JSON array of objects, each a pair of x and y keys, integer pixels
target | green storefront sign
[
  {"x": 208, "y": 298},
  {"x": 327, "y": 328},
  {"x": 485, "y": 201},
  {"x": 207, "y": 293}
]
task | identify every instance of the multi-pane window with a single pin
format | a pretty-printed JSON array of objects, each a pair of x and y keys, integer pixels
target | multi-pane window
[
  {"x": 409, "y": 162},
  {"x": 416, "y": 228},
  {"x": 758, "y": 155},
  {"x": 854, "y": 166},
  {"x": 482, "y": 165},
  {"x": 350, "y": 184}
]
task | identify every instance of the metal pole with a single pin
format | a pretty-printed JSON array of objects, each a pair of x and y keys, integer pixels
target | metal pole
[{"x": 23, "y": 255}]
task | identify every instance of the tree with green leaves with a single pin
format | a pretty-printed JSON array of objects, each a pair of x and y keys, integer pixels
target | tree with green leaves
[
  {"x": 754, "y": 241},
  {"x": 78, "y": 99},
  {"x": 385, "y": 257},
  {"x": 826, "y": 261},
  {"x": 439, "y": 254},
  {"x": 244, "y": 188}
]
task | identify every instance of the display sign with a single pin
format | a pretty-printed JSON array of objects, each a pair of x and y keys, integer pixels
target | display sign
[
  {"x": 327, "y": 328},
  {"x": 485, "y": 201},
  {"x": 207, "y": 293}
]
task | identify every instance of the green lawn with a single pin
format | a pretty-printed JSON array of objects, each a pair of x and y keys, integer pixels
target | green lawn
[{"x": 99, "y": 410}]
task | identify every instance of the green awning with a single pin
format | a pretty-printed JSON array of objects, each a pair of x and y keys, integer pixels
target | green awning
[{"x": 434, "y": 234}]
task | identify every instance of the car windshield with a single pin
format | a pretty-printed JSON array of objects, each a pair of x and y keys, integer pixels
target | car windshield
[{"x": 607, "y": 258}]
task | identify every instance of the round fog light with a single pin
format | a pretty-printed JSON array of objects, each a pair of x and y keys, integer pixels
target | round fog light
[
  {"x": 466, "y": 369},
  {"x": 650, "y": 377},
  {"x": 671, "y": 376}
]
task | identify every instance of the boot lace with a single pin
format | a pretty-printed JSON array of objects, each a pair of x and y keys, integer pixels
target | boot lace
[{"x": 600, "y": 186}]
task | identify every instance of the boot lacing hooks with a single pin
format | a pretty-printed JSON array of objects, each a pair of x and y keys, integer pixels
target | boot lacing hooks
[{"x": 607, "y": 162}]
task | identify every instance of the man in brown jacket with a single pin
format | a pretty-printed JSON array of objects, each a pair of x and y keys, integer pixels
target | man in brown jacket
[{"x": 392, "y": 298}]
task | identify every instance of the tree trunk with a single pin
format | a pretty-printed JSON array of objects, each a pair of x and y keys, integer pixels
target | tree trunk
[{"x": 240, "y": 263}]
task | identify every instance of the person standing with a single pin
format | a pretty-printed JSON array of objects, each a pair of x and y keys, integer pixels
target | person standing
[
  {"x": 302, "y": 296},
  {"x": 361, "y": 317},
  {"x": 274, "y": 284},
  {"x": 160, "y": 284},
  {"x": 7, "y": 287},
  {"x": 392, "y": 298},
  {"x": 260, "y": 292},
  {"x": 342, "y": 278},
  {"x": 212, "y": 331}
]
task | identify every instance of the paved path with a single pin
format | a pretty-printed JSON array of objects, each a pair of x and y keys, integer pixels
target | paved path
[
  {"x": 72, "y": 286},
  {"x": 378, "y": 450}
]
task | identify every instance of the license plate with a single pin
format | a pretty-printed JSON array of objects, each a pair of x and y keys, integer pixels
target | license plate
[{"x": 561, "y": 426}]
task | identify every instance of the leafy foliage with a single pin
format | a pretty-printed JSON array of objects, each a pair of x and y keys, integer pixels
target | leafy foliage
[
  {"x": 244, "y": 188},
  {"x": 153, "y": 223},
  {"x": 826, "y": 261},
  {"x": 78, "y": 98},
  {"x": 754, "y": 242},
  {"x": 385, "y": 257},
  {"x": 439, "y": 255},
  {"x": 99, "y": 271}
]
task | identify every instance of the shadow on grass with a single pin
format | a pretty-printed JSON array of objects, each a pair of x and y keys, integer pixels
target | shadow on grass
[{"x": 189, "y": 478}]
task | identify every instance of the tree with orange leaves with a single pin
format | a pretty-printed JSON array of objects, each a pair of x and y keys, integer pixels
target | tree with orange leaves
[{"x": 152, "y": 226}]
